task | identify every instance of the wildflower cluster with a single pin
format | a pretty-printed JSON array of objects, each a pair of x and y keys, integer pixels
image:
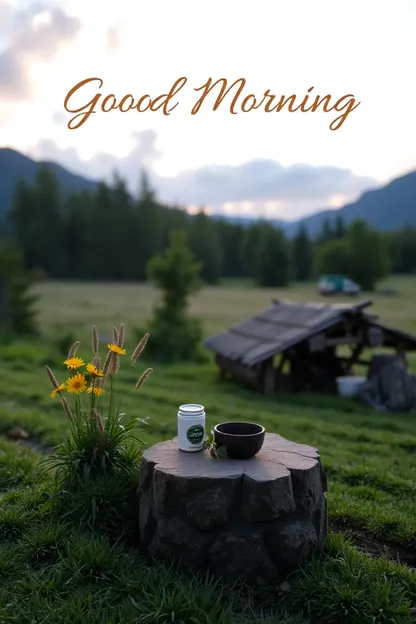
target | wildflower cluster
[{"x": 91, "y": 378}]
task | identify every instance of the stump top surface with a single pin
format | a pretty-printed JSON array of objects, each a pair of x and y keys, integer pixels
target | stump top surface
[{"x": 277, "y": 458}]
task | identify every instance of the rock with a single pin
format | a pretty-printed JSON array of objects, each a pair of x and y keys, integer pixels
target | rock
[
  {"x": 267, "y": 491},
  {"x": 252, "y": 519},
  {"x": 17, "y": 433},
  {"x": 390, "y": 386},
  {"x": 212, "y": 507},
  {"x": 290, "y": 543},
  {"x": 177, "y": 541},
  {"x": 241, "y": 553},
  {"x": 320, "y": 519}
]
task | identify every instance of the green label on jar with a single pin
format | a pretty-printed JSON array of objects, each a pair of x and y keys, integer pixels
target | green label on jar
[{"x": 195, "y": 434}]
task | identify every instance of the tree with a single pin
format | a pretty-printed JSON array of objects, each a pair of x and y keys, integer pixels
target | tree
[
  {"x": 231, "y": 237},
  {"x": 327, "y": 232},
  {"x": 77, "y": 236},
  {"x": 273, "y": 259},
  {"x": 17, "y": 312},
  {"x": 302, "y": 255},
  {"x": 146, "y": 193},
  {"x": 37, "y": 220},
  {"x": 370, "y": 260},
  {"x": 250, "y": 244},
  {"x": 402, "y": 250},
  {"x": 104, "y": 233},
  {"x": 204, "y": 243},
  {"x": 148, "y": 227},
  {"x": 334, "y": 256},
  {"x": 362, "y": 255},
  {"x": 174, "y": 336},
  {"x": 340, "y": 229}
]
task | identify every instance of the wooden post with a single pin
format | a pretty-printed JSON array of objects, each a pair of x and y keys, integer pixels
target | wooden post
[
  {"x": 269, "y": 380},
  {"x": 401, "y": 351}
]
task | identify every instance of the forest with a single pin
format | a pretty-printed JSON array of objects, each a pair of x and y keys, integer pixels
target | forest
[{"x": 109, "y": 235}]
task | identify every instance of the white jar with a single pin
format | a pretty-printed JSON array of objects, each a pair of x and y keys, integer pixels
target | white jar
[{"x": 191, "y": 427}]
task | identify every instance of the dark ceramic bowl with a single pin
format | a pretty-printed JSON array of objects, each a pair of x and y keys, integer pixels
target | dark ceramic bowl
[{"x": 242, "y": 440}]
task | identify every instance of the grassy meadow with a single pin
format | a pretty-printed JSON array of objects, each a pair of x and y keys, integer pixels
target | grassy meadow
[{"x": 50, "y": 571}]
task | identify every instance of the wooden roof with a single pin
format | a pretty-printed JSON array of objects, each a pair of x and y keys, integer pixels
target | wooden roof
[{"x": 283, "y": 325}]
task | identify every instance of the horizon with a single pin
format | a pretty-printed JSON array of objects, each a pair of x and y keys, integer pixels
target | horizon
[
  {"x": 285, "y": 166},
  {"x": 195, "y": 209}
]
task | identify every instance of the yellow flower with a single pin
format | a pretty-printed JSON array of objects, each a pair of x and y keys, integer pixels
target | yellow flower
[
  {"x": 94, "y": 371},
  {"x": 76, "y": 384},
  {"x": 116, "y": 349},
  {"x": 56, "y": 390},
  {"x": 74, "y": 363},
  {"x": 96, "y": 389}
]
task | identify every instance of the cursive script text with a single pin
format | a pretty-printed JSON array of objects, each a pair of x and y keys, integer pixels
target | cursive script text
[{"x": 240, "y": 100}]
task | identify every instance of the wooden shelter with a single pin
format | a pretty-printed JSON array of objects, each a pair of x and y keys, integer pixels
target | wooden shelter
[{"x": 293, "y": 347}]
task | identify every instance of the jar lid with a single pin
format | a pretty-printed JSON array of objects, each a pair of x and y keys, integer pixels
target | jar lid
[{"x": 191, "y": 408}]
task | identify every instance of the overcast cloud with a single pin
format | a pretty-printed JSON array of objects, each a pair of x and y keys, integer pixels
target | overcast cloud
[
  {"x": 34, "y": 32},
  {"x": 302, "y": 187}
]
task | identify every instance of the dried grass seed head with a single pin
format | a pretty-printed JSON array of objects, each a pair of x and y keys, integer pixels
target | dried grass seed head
[
  {"x": 73, "y": 350},
  {"x": 140, "y": 348}
]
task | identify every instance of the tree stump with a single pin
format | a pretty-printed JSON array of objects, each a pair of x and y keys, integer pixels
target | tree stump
[{"x": 255, "y": 519}]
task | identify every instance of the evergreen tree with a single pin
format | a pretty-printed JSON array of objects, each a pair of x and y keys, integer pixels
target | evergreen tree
[
  {"x": 148, "y": 225},
  {"x": 273, "y": 259},
  {"x": 37, "y": 220},
  {"x": 327, "y": 232},
  {"x": 174, "y": 335},
  {"x": 77, "y": 236},
  {"x": 17, "y": 311},
  {"x": 302, "y": 255},
  {"x": 340, "y": 230},
  {"x": 250, "y": 245},
  {"x": 204, "y": 243},
  {"x": 231, "y": 240},
  {"x": 47, "y": 224},
  {"x": 370, "y": 260},
  {"x": 21, "y": 222}
]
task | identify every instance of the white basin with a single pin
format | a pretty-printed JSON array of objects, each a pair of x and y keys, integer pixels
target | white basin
[{"x": 348, "y": 386}]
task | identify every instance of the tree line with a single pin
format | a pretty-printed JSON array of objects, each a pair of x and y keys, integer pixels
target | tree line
[{"x": 107, "y": 234}]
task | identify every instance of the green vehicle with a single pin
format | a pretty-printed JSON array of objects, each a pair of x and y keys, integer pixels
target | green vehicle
[{"x": 337, "y": 284}]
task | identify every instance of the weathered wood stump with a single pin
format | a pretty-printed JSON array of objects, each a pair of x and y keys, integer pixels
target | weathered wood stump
[{"x": 255, "y": 519}]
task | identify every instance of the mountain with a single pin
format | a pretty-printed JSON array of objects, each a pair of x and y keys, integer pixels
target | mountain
[
  {"x": 14, "y": 165},
  {"x": 390, "y": 207}
]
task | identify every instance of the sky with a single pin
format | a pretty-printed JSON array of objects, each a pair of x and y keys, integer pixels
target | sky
[{"x": 273, "y": 164}]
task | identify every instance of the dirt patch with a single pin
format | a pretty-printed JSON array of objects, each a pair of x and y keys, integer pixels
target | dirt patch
[
  {"x": 37, "y": 445},
  {"x": 19, "y": 435},
  {"x": 375, "y": 547}
]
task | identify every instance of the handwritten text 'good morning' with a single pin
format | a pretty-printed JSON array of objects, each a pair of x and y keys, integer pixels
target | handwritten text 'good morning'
[{"x": 239, "y": 100}]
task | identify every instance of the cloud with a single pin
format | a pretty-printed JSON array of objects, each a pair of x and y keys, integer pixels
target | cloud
[
  {"x": 258, "y": 187},
  {"x": 113, "y": 38},
  {"x": 59, "y": 118},
  {"x": 102, "y": 165},
  {"x": 13, "y": 82},
  {"x": 5, "y": 15},
  {"x": 36, "y": 32},
  {"x": 300, "y": 188}
]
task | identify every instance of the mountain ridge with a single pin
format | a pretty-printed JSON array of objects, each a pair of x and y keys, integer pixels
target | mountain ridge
[{"x": 387, "y": 208}]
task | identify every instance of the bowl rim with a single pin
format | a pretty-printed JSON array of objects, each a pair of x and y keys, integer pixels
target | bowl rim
[{"x": 239, "y": 435}]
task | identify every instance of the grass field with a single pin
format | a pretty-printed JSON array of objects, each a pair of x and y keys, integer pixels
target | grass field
[{"x": 50, "y": 571}]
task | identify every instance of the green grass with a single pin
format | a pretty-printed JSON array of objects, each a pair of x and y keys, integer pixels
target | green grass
[
  {"x": 51, "y": 571},
  {"x": 81, "y": 304}
]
